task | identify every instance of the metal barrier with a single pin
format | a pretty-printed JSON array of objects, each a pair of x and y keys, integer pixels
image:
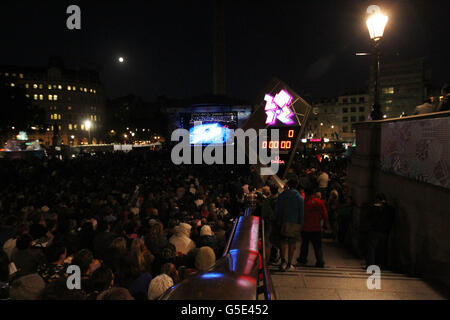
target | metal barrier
[{"x": 235, "y": 276}]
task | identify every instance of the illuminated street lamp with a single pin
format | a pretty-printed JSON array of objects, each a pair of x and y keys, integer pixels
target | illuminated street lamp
[
  {"x": 376, "y": 23},
  {"x": 87, "y": 125}
]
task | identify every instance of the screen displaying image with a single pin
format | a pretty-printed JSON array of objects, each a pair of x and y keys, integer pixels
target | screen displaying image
[
  {"x": 207, "y": 128},
  {"x": 209, "y": 133}
]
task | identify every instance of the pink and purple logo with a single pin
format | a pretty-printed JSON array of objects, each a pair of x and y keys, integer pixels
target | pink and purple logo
[{"x": 278, "y": 108}]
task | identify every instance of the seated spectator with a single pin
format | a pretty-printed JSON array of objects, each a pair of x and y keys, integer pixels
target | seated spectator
[
  {"x": 29, "y": 287},
  {"x": 141, "y": 261},
  {"x": 115, "y": 294},
  {"x": 57, "y": 290},
  {"x": 85, "y": 260},
  {"x": 207, "y": 238},
  {"x": 55, "y": 268},
  {"x": 171, "y": 270},
  {"x": 181, "y": 239},
  {"x": 156, "y": 240},
  {"x": 102, "y": 279},
  {"x": 205, "y": 258},
  {"x": 158, "y": 286},
  {"x": 26, "y": 258},
  {"x": 10, "y": 245},
  {"x": 102, "y": 239},
  {"x": 116, "y": 249}
]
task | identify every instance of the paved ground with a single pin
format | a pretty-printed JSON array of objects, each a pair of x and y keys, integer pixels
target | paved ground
[{"x": 343, "y": 278}]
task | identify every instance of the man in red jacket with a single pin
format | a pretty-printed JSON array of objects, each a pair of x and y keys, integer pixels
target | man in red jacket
[{"x": 315, "y": 212}]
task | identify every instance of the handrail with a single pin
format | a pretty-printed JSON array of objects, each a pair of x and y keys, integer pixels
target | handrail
[
  {"x": 230, "y": 238},
  {"x": 235, "y": 275},
  {"x": 269, "y": 292}
]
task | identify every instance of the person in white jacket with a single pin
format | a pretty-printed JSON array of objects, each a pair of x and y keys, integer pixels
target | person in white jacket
[{"x": 181, "y": 239}]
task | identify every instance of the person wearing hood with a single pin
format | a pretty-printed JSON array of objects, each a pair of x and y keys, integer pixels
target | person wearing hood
[
  {"x": 181, "y": 239},
  {"x": 207, "y": 238}
]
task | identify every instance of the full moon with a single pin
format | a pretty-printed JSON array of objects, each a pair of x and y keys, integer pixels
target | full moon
[{"x": 121, "y": 59}]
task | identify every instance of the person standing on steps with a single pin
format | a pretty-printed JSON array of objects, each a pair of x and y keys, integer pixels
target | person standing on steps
[
  {"x": 289, "y": 217},
  {"x": 315, "y": 212}
]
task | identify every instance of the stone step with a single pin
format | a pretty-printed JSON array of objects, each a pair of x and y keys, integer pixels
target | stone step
[{"x": 344, "y": 273}]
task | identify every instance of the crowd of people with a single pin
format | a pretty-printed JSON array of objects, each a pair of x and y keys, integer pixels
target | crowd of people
[
  {"x": 136, "y": 224},
  {"x": 315, "y": 202}
]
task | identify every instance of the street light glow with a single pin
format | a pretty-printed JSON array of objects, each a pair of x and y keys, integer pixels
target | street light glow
[
  {"x": 87, "y": 124},
  {"x": 121, "y": 59},
  {"x": 376, "y": 23}
]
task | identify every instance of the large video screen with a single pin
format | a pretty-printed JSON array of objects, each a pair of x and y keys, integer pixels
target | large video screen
[{"x": 207, "y": 128}]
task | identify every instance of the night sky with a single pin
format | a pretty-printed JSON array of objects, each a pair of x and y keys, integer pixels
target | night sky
[{"x": 167, "y": 45}]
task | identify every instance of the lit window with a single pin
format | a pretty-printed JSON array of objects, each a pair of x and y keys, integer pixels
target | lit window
[
  {"x": 55, "y": 116},
  {"x": 59, "y": 117},
  {"x": 92, "y": 117},
  {"x": 41, "y": 97},
  {"x": 70, "y": 126},
  {"x": 59, "y": 86},
  {"x": 6, "y": 74},
  {"x": 21, "y": 75},
  {"x": 27, "y": 95},
  {"x": 75, "y": 126},
  {"x": 74, "y": 88},
  {"x": 69, "y": 108},
  {"x": 85, "y": 89},
  {"x": 13, "y": 84},
  {"x": 41, "y": 86},
  {"x": 50, "y": 97},
  {"x": 54, "y": 86},
  {"x": 69, "y": 88},
  {"x": 52, "y": 128},
  {"x": 59, "y": 127},
  {"x": 55, "y": 97},
  {"x": 27, "y": 85},
  {"x": 35, "y": 86},
  {"x": 50, "y": 86},
  {"x": 51, "y": 116},
  {"x": 35, "y": 97},
  {"x": 95, "y": 91},
  {"x": 95, "y": 117},
  {"x": 389, "y": 90},
  {"x": 82, "y": 126}
]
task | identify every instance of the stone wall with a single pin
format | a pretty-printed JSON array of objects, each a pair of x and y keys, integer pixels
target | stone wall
[{"x": 419, "y": 242}]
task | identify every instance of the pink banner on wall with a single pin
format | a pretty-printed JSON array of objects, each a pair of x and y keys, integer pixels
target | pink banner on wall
[{"x": 418, "y": 149}]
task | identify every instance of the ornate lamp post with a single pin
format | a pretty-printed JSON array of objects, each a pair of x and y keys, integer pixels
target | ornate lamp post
[{"x": 376, "y": 24}]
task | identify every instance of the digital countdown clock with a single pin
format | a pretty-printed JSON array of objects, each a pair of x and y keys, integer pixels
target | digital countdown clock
[
  {"x": 280, "y": 108},
  {"x": 285, "y": 142}
]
